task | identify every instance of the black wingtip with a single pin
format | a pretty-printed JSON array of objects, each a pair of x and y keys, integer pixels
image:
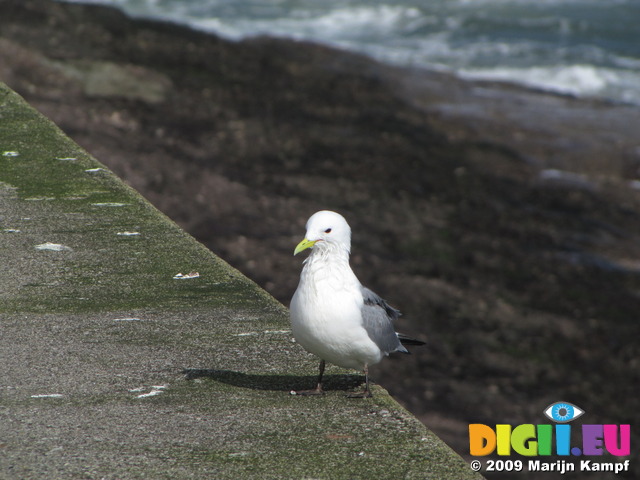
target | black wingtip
[{"x": 404, "y": 340}]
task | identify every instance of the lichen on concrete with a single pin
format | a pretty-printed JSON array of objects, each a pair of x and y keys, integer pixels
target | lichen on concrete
[{"x": 113, "y": 368}]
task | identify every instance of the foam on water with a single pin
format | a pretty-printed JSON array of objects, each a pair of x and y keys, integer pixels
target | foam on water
[
  {"x": 338, "y": 26},
  {"x": 566, "y": 79}
]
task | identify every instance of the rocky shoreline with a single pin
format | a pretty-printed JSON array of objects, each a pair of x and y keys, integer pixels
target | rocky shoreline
[{"x": 503, "y": 222}]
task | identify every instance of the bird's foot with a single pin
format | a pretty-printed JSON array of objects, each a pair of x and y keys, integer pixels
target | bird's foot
[
  {"x": 315, "y": 391},
  {"x": 363, "y": 394}
]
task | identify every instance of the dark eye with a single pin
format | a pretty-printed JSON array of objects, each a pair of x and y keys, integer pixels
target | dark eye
[{"x": 328, "y": 230}]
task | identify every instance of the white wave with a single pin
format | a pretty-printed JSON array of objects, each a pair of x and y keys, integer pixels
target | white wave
[
  {"x": 333, "y": 26},
  {"x": 567, "y": 79},
  {"x": 358, "y": 21}
]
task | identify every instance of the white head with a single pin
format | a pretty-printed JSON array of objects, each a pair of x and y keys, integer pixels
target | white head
[{"x": 326, "y": 232}]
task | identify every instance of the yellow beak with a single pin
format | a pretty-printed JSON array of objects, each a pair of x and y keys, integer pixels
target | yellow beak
[{"x": 303, "y": 245}]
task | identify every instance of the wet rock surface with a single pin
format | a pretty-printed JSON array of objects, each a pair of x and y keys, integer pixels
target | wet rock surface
[{"x": 503, "y": 222}]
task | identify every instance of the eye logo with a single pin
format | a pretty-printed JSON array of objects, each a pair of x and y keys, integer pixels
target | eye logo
[{"x": 563, "y": 412}]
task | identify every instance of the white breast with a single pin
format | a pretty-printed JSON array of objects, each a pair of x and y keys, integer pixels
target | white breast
[{"x": 326, "y": 315}]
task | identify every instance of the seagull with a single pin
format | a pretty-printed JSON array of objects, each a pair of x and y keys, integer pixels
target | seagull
[{"x": 332, "y": 315}]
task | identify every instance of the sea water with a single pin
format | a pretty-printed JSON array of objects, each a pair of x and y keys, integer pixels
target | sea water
[{"x": 581, "y": 47}]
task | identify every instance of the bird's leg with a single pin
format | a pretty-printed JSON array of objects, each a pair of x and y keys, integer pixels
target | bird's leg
[
  {"x": 366, "y": 393},
  {"x": 318, "y": 390}
]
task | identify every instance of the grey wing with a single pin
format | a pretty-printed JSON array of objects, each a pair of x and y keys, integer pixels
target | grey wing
[{"x": 378, "y": 317}]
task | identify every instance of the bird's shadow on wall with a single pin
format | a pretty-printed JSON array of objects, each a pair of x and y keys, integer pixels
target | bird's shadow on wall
[{"x": 284, "y": 383}]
